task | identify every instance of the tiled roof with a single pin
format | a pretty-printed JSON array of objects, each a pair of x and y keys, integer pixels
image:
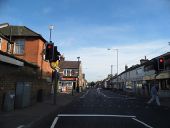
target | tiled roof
[
  {"x": 2, "y": 36},
  {"x": 19, "y": 31},
  {"x": 68, "y": 64}
]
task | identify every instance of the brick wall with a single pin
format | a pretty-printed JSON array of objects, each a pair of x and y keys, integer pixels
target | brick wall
[
  {"x": 10, "y": 75},
  {"x": 4, "y": 45},
  {"x": 33, "y": 53},
  {"x": 41, "y": 62}
]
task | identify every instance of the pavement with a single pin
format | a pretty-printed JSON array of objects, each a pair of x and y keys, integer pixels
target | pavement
[{"x": 32, "y": 116}]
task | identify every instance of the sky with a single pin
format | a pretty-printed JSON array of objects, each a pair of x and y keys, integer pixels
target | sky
[{"x": 87, "y": 28}]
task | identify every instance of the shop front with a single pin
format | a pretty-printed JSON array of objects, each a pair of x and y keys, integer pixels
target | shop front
[
  {"x": 164, "y": 83},
  {"x": 67, "y": 84}
]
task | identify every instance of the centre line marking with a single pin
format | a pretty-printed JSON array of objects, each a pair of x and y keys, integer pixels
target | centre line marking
[
  {"x": 83, "y": 96},
  {"x": 148, "y": 126}
]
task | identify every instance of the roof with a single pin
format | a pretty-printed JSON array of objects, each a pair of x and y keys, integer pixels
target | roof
[
  {"x": 166, "y": 55},
  {"x": 69, "y": 64},
  {"x": 2, "y": 36},
  {"x": 19, "y": 31}
]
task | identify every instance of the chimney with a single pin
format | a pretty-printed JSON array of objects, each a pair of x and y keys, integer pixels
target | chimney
[
  {"x": 62, "y": 58},
  {"x": 126, "y": 67},
  {"x": 142, "y": 61}
]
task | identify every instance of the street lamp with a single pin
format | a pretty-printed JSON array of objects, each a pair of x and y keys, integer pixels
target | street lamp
[
  {"x": 117, "y": 57},
  {"x": 51, "y": 27},
  {"x": 117, "y": 61},
  {"x": 78, "y": 58},
  {"x": 111, "y": 70},
  {"x": 4, "y": 25}
]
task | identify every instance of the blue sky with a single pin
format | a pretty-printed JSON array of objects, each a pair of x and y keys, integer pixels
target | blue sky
[{"x": 86, "y": 28}]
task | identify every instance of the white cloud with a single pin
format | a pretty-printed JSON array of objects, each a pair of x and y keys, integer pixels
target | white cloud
[{"x": 97, "y": 62}]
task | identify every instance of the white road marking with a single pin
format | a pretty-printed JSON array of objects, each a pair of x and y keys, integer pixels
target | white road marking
[
  {"x": 148, "y": 126},
  {"x": 21, "y": 126},
  {"x": 54, "y": 122},
  {"x": 87, "y": 115},
  {"x": 83, "y": 96},
  {"x": 94, "y": 115}
]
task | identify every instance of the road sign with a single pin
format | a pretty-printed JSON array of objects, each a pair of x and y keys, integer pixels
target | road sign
[{"x": 54, "y": 64}]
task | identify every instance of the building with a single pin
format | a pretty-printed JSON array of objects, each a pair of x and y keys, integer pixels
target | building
[
  {"x": 22, "y": 68},
  {"x": 140, "y": 78},
  {"x": 20, "y": 85},
  {"x": 28, "y": 45},
  {"x": 3, "y": 43},
  {"x": 71, "y": 77},
  {"x": 152, "y": 72}
]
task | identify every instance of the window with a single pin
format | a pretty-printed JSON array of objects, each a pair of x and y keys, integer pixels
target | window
[
  {"x": 68, "y": 72},
  {"x": 8, "y": 47},
  {"x": 65, "y": 72},
  {"x": 0, "y": 43},
  {"x": 19, "y": 46}
]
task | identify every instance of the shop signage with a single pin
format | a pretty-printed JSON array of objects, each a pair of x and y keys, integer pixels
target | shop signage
[{"x": 71, "y": 79}]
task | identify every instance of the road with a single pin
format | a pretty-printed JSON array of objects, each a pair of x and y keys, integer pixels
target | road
[{"x": 99, "y": 108}]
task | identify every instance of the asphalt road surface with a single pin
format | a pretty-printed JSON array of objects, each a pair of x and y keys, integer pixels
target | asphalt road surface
[{"x": 99, "y": 108}]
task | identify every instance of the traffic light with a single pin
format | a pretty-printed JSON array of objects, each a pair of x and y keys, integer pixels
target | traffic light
[
  {"x": 56, "y": 54},
  {"x": 154, "y": 62},
  {"x": 161, "y": 64},
  {"x": 49, "y": 51}
]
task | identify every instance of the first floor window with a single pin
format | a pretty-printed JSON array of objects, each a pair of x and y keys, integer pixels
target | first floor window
[{"x": 19, "y": 46}]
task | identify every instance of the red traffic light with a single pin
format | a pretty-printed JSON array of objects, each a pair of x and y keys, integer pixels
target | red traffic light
[
  {"x": 49, "y": 46},
  {"x": 161, "y": 60},
  {"x": 161, "y": 64},
  {"x": 49, "y": 51}
]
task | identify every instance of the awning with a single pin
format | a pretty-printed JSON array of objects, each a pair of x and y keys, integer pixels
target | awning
[
  {"x": 163, "y": 75},
  {"x": 10, "y": 60},
  {"x": 149, "y": 77}
]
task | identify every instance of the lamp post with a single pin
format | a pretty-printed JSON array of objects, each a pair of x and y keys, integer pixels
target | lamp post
[
  {"x": 51, "y": 27},
  {"x": 111, "y": 70},
  {"x": 117, "y": 62},
  {"x": 78, "y": 76}
]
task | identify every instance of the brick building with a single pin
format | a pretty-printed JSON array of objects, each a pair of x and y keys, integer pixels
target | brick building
[
  {"x": 20, "y": 79},
  {"x": 71, "y": 76},
  {"x": 28, "y": 45},
  {"x": 22, "y": 68},
  {"x": 3, "y": 43}
]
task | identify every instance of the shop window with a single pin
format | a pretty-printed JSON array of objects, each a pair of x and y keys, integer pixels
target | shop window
[{"x": 165, "y": 84}]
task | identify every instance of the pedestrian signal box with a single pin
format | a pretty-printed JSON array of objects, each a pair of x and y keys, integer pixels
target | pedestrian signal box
[
  {"x": 161, "y": 63},
  {"x": 49, "y": 51}
]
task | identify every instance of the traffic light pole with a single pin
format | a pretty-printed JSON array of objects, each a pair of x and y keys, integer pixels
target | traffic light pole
[{"x": 56, "y": 78}]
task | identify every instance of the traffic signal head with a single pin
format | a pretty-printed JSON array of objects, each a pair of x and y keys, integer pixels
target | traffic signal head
[
  {"x": 56, "y": 54},
  {"x": 49, "y": 51},
  {"x": 161, "y": 64}
]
